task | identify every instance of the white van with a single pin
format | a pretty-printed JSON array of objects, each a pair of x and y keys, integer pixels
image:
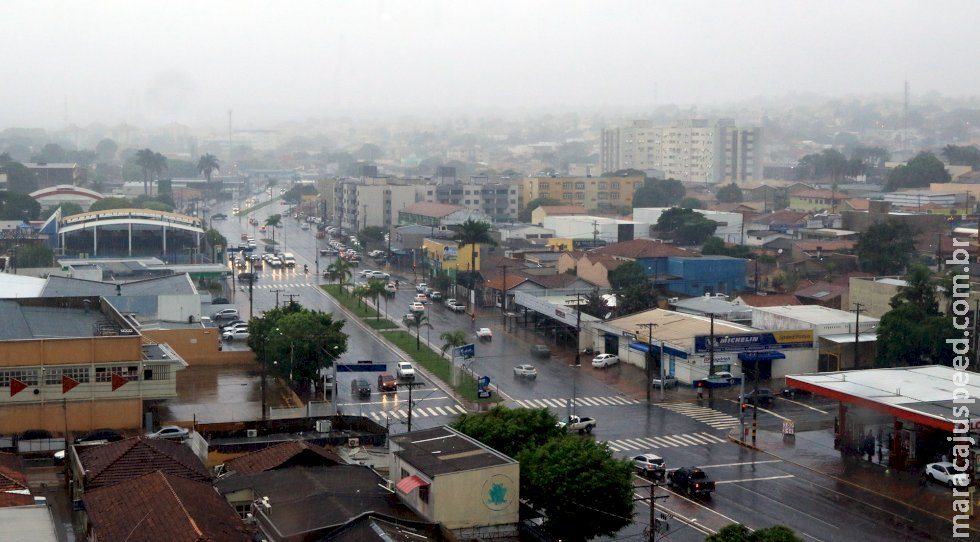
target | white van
[{"x": 288, "y": 259}]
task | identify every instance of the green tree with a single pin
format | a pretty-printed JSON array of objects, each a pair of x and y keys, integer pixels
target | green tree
[
  {"x": 634, "y": 292},
  {"x": 583, "y": 490},
  {"x": 730, "y": 193},
  {"x": 13, "y": 206},
  {"x": 907, "y": 335},
  {"x": 921, "y": 289},
  {"x": 691, "y": 203},
  {"x": 20, "y": 179},
  {"x": 830, "y": 164},
  {"x": 473, "y": 233},
  {"x": 106, "y": 150},
  {"x": 737, "y": 532},
  {"x": 418, "y": 321},
  {"x": 595, "y": 305},
  {"x": 525, "y": 214},
  {"x": 156, "y": 205},
  {"x": 273, "y": 222},
  {"x": 68, "y": 208},
  {"x": 886, "y": 248},
  {"x": 376, "y": 289},
  {"x": 206, "y": 165},
  {"x": 214, "y": 239},
  {"x": 659, "y": 193},
  {"x": 150, "y": 163},
  {"x": 452, "y": 339},
  {"x": 872, "y": 157},
  {"x": 962, "y": 156},
  {"x": 339, "y": 270},
  {"x": 925, "y": 168},
  {"x": 34, "y": 256},
  {"x": 105, "y": 204},
  {"x": 511, "y": 430},
  {"x": 371, "y": 235},
  {"x": 715, "y": 246},
  {"x": 296, "y": 338},
  {"x": 685, "y": 226}
]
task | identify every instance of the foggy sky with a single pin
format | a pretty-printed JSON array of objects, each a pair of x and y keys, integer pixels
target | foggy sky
[{"x": 151, "y": 63}]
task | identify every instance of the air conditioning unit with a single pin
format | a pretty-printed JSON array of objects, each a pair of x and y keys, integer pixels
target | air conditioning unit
[
  {"x": 323, "y": 426},
  {"x": 353, "y": 442},
  {"x": 252, "y": 433}
]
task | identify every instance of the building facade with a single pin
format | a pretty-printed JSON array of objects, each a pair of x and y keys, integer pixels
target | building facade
[
  {"x": 370, "y": 201},
  {"x": 498, "y": 200},
  {"x": 593, "y": 193}
]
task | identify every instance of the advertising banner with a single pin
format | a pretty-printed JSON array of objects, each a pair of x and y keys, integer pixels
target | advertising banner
[{"x": 765, "y": 340}]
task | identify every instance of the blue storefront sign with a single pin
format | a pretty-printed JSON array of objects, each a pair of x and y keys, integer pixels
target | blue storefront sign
[
  {"x": 483, "y": 387},
  {"x": 766, "y": 340}
]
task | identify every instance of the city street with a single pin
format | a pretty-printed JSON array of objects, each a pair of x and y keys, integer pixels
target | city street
[{"x": 753, "y": 487}]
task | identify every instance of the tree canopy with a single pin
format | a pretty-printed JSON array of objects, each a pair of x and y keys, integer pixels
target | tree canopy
[
  {"x": 715, "y": 246},
  {"x": 19, "y": 178},
  {"x": 301, "y": 340},
  {"x": 510, "y": 430},
  {"x": 659, "y": 193},
  {"x": 473, "y": 232},
  {"x": 13, "y": 205},
  {"x": 908, "y": 335},
  {"x": 730, "y": 193},
  {"x": 925, "y": 168},
  {"x": 737, "y": 532},
  {"x": 525, "y": 214},
  {"x": 685, "y": 226},
  {"x": 886, "y": 248},
  {"x": 962, "y": 156},
  {"x": 634, "y": 291}
]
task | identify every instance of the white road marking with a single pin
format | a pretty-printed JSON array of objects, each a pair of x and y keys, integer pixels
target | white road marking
[
  {"x": 805, "y": 406},
  {"x": 754, "y": 479}
]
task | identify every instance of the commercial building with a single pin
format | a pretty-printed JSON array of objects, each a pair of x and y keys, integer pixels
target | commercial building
[
  {"x": 53, "y": 174},
  {"x": 835, "y": 332},
  {"x": 543, "y": 211},
  {"x": 131, "y": 232},
  {"x": 370, "y": 201},
  {"x": 439, "y": 215},
  {"x": 729, "y": 230},
  {"x": 693, "y": 150},
  {"x": 446, "y": 256},
  {"x": 55, "y": 196},
  {"x": 450, "y": 478},
  {"x": 593, "y": 193}
]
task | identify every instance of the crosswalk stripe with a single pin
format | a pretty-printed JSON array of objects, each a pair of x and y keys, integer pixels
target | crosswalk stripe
[
  {"x": 555, "y": 403},
  {"x": 671, "y": 440},
  {"x": 712, "y": 438},
  {"x": 587, "y": 401},
  {"x": 634, "y": 443},
  {"x": 602, "y": 400},
  {"x": 615, "y": 447},
  {"x": 688, "y": 439},
  {"x": 440, "y": 411},
  {"x": 460, "y": 409}
]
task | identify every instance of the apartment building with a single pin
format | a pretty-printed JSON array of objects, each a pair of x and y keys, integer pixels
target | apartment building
[
  {"x": 593, "y": 193},
  {"x": 693, "y": 150},
  {"x": 498, "y": 199},
  {"x": 370, "y": 201}
]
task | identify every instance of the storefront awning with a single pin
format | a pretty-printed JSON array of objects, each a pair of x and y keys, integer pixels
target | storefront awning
[
  {"x": 644, "y": 347},
  {"x": 408, "y": 483},
  {"x": 761, "y": 356}
]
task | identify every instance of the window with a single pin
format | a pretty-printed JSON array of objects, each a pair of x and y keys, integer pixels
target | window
[
  {"x": 566, "y": 186},
  {"x": 603, "y": 195},
  {"x": 104, "y": 374},
  {"x": 614, "y": 195},
  {"x": 566, "y": 195},
  {"x": 52, "y": 375},
  {"x": 545, "y": 186},
  {"x": 615, "y": 185},
  {"x": 424, "y": 493},
  {"x": 467, "y": 192},
  {"x": 27, "y": 376},
  {"x": 243, "y": 510},
  {"x": 580, "y": 186},
  {"x": 580, "y": 195},
  {"x": 603, "y": 185}
]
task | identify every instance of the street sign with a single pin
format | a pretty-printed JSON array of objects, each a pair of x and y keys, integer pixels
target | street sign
[
  {"x": 466, "y": 351},
  {"x": 484, "y": 381},
  {"x": 628, "y": 335},
  {"x": 362, "y": 367}
]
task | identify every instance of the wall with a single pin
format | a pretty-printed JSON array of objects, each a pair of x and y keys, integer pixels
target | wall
[
  {"x": 198, "y": 346},
  {"x": 872, "y": 294},
  {"x": 70, "y": 351},
  {"x": 77, "y": 416},
  {"x": 458, "y": 498},
  {"x": 177, "y": 308}
]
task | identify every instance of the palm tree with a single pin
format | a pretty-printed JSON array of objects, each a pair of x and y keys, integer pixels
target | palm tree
[
  {"x": 207, "y": 165},
  {"x": 273, "y": 222},
  {"x": 418, "y": 320},
  {"x": 452, "y": 339},
  {"x": 375, "y": 289},
  {"x": 340, "y": 270},
  {"x": 473, "y": 233},
  {"x": 360, "y": 292},
  {"x": 145, "y": 159}
]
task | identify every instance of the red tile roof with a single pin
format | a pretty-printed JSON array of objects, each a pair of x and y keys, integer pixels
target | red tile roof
[
  {"x": 641, "y": 248},
  {"x": 14, "y": 490},
  {"x": 605, "y": 260},
  {"x": 559, "y": 280},
  {"x": 286, "y": 454},
  {"x": 129, "y": 458},
  {"x": 497, "y": 283},
  {"x": 158, "y": 507},
  {"x": 436, "y": 210},
  {"x": 553, "y": 210}
]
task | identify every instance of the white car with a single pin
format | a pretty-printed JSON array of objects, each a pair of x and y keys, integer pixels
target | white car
[
  {"x": 235, "y": 334},
  {"x": 405, "y": 370},
  {"x": 170, "y": 431},
  {"x": 365, "y": 273},
  {"x": 605, "y": 360},
  {"x": 378, "y": 275},
  {"x": 525, "y": 370},
  {"x": 421, "y": 298},
  {"x": 420, "y": 287},
  {"x": 391, "y": 288},
  {"x": 484, "y": 333},
  {"x": 417, "y": 307},
  {"x": 945, "y": 472}
]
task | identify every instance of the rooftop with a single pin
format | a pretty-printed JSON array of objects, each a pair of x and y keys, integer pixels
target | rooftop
[
  {"x": 673, "y": 327},
  {"x": 641, "y": 248},
  {"x": 52, "y": 318},
  {"x": 442, "y": 450},
  {"x": 283, "y": 455},
  {"x": 563, "y": 209},
  {"x": 129, "y": 458},
  {"x": 435, "y": 210},
  {"x": 814, "y": 314},
  {"x": 922, "y": 394}
]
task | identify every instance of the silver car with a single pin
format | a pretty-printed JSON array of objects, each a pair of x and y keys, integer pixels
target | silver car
[{"x": 527, "y": 371}]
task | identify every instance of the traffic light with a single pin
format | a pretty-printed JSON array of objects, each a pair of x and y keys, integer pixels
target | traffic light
[{"x": 744, "y": 406}]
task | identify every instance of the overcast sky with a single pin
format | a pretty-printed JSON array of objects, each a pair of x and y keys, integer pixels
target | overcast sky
[{"x": 151, "y": 63}]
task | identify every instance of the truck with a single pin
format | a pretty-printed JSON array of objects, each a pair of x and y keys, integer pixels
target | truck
[
  {"x": 692, "y": 481},
  {"x": 582, "y": 424}
]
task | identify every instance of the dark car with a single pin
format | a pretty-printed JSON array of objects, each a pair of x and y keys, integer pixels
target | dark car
[
  {"x": 793, "y": 393},
  {"x": 219, "y": 216},
  {"x": 219, "y": 300},
  {"x": 540, "y": 351},
  {"x": 360, "y": 388},
  {"x": 761, "y": 396},
  {"x": 107, "y": 435},
  {"x": 246, "y": 278}
]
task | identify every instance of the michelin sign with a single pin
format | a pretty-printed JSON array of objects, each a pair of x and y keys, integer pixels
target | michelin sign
[{"x": 746, "y": 342}]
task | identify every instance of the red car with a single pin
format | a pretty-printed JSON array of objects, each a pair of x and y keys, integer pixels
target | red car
[{"x": 387, "y": 382}]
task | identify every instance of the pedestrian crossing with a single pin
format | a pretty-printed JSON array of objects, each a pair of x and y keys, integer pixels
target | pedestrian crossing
[
  {"x": 281, "y": 285},
  {"x": 709, "y": 416},
  {"x": 579, "y": 401},
  {"x": 664, "y": 441},
  {"x": 417, "y": 412}
]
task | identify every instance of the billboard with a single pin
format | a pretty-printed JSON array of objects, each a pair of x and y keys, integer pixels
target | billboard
[{"x": 746, "y": 342}]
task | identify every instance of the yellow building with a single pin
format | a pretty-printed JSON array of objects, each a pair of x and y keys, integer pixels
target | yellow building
[
  {"x": 77, "y": 364},
  {"x": 593, "y": 193},
  {"x": 447, "y": 256}
]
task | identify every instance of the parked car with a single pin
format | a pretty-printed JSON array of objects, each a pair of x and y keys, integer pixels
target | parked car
[
  {"x": 793, "y": 393},
  {"x": 417, "y": 307},
  {"x": 219, "y": 300},
  {"x": 650, "y": 466},
  {"x": 235, "y": 334},
  {"x": 945, "y": 472},
  {"x": 421, "y": 298},
  {"x": 239, "y": 326},
  {"x": 761, "y": 396},
  {"x": 457, "y": 307},
  {"x": 484, "y": 333},
  {"x": 219, "y": 216},
  {"x": 435, "y": 296},
  {"x": 605, "y": 360},
  {"x": 387, "y": 382},
  {"x": 170, "y": 432},
  {"x": 107, "y": 435},
  {"x": 526, "y": 370},
  {"x": 718, "y": 380},
  {"x": 360, "y": 388},
  {"x": 405, "y": 370},
  {"x": 225, "y": 314},
  {"x": 668, "y": 381},
  {"x": 232, "y": 323},
  {"x": 540, "y": 350}
]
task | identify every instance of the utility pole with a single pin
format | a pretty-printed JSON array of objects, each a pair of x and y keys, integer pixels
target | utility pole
[
  {"x": 711, "y": 355},
  {"x": 503, "y": 302},
  {"x": 595, "y": 233},
  {"x": 365, "y": 216},
  {"x": 251, "y": 282},
  {"x": 649, "y": 360},
  {"x": 578, "y": 328},
  {"x": 277, "y": 292},
  {"x": 410, "y": 406},
  {"x": 858, "y": 309},
  {"x": 291, "y": 296}
]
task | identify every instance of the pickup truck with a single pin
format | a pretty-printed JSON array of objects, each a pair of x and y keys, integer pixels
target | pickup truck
[
  {"x": 582, "y": 424},
  {"x": 691, "y": 480}
]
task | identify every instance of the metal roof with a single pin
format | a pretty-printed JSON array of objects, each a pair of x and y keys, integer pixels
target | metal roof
[
  {"x": 442, "y": 450},
  {"x": 848, "y": 338},
  {"x": 814, "y": 314},
  {"x": 921, "y": 394}
]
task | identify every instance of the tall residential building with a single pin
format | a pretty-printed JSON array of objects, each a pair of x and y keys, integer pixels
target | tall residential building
[
  {"x": 593, "y": 193},
  {"x": 370, "y": 201},
  {"x": 694, "y": 150},
  {"x": 498, "y": 199}
]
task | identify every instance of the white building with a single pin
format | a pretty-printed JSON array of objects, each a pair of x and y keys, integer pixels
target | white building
[
  {"x": 370, "y": 201},
  {"x": 834, "y": 332},
  {"x": 498, "y": 200},
  {"x": 729, "y": 224},
  {"x": 610, "y": 230}
]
